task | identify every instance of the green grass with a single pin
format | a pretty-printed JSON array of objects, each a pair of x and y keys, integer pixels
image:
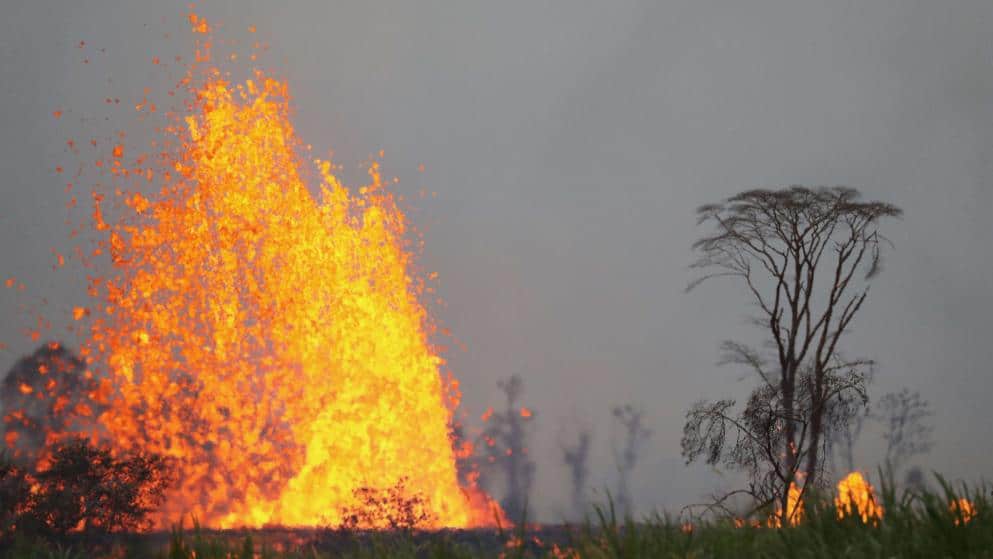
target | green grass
[{"x": 914, "y": 525}]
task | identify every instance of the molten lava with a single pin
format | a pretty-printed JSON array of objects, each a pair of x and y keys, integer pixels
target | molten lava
[
  {"x": 856, "y": 498},
  {"x": 270, "y": 342}
]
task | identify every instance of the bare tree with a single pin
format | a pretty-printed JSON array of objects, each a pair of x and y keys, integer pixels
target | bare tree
[
  {"x": 905, "y": 416},
  {"x": 505, "y": 437},
  {"x": 576, "y": 456},
  {"x": 798, "y": 252},
  {"x": 635, "y": 436}
]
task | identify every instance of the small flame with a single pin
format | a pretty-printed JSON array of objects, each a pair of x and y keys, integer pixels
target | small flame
[
  {"x": 857, "y": 498},
  {"x": 963, "y": 510},
  {"x": 794, "y": 509}
]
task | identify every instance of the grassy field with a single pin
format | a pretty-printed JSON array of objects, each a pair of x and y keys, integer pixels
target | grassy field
[{"x": 913, "y": 525}]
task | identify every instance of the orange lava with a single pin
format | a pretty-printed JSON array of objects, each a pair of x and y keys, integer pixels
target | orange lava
[
  {"x": 856, "y": 498},
  {"x": 270, "y": 341}
]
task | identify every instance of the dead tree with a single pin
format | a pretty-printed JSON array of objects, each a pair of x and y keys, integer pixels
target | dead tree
[
  {"x": 805, "y": 257},
  {"x": 636, "y": 435},
  {"x": 905, "y": 417},
  {"x": 576, "y": 456},
  {"x": 505, "y": 439}
]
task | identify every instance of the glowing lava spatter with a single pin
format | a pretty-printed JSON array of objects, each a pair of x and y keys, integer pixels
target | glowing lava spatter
[{"x": 272, "y": 343}]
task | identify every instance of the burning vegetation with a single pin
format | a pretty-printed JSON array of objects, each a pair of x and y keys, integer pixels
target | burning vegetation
[{"x": 857, "y": 498}]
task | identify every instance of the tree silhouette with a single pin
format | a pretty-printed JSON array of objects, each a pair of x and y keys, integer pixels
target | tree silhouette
[
  {"x": 635, "y": 436},
  {"x": 905, "y": 416},
  {"x": 576, "y": 456},
  {"x": 797, "y": 252},
  {"x": 82, "y": 488},
  {"x": 505, "y": 439}
]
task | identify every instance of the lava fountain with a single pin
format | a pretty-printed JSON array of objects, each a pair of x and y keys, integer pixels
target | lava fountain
[{"x": 271, "y": 342}]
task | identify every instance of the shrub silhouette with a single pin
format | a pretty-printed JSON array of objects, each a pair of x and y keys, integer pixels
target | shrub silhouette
[
  {"x": 394, "y": 508},
  {"x": 81, "y": 488}
]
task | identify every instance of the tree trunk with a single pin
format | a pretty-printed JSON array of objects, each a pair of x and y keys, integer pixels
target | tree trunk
[
  {"x": 813, "y": 449},
  {"x": 817, "y": 409},
  {"x": 788, "y": 389}
]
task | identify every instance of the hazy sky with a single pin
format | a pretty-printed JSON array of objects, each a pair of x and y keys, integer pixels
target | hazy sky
[{"x": 569, "y": 144}]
